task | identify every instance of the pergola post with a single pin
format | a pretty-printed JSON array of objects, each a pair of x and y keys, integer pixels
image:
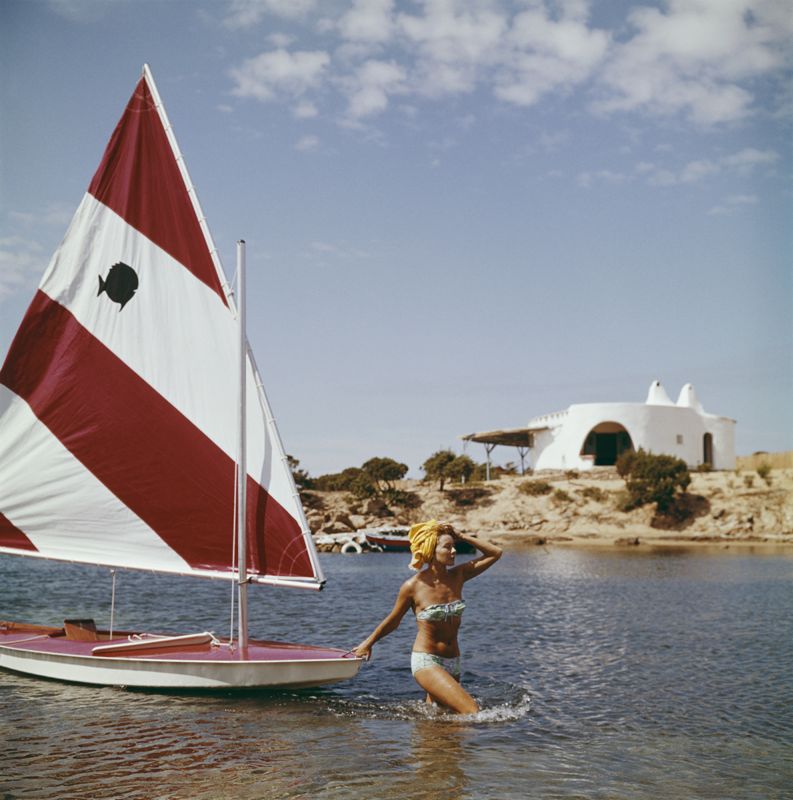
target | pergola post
[
  {"x": 523, "y": 453},
  {"x": 488, "y": 449}
]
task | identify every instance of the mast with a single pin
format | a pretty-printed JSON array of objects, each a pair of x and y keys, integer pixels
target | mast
[{"x": 242, "y": 473}]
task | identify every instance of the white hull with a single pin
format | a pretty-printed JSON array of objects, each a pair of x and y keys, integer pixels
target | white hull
[{"x": 165, "y": 673}]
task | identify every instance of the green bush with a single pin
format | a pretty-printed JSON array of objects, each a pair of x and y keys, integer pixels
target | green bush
[
  {"x": 534, "y": 488},
  {"x": 353, "y": 480},
  {"x": 651, "y": 478},
  {"x": 625, "y": 463}
]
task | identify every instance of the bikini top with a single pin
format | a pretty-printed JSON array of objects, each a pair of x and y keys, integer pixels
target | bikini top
[{"x": 442, "y": 612}]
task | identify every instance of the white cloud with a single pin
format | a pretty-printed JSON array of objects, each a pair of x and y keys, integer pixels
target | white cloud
[
  {"x": 586, "y": 179},
  {"x": 21, "y": 264},
  {"x": 56, "y": 215},
  {"x": 689, "y": 56},
  {"x": 548, "y": 54},
  {"x": 307, "y": 143},
  {"x": 732, "y": 204},
  {"x": 369, "y": 88},
  {"x": 338, "y": 251},
  {"x": 742, "y": 162},
  {"x": 368, "y": 21},
  {"x": 693, "y": 58},
  {"x": 247, "y": 13},
  {"x": 267, "y": 74},
  {"x": 452, "y": 44},
  {"x": 305, "y": 110},
  {"x": 82, "y": 11}
]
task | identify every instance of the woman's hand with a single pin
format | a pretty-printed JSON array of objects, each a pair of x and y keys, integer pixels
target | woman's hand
[{"x": 363, "y": 651}]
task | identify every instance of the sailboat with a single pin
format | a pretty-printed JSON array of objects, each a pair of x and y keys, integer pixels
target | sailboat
[{"x": 135, "y": 432}]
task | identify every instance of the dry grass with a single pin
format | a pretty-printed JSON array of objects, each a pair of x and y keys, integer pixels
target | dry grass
[{"x": 782, "y": 460}]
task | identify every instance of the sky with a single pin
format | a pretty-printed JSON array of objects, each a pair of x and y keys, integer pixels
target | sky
[{"x": 460, "y": 214}]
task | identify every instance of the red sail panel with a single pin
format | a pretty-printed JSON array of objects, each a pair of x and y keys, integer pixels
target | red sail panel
[
  {"x": 11, "y": 536},
  {"x": 140, "y": 180},
  {"x": 148, "y": 454}
]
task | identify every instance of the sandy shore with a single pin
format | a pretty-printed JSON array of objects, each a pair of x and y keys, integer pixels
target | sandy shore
[{"x": 728, "y": 510}]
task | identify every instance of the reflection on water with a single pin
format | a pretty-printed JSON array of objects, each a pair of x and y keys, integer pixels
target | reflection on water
[{"x": 600, "y": 675}]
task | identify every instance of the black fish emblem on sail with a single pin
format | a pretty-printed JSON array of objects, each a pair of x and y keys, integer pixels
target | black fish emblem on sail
[{"x": 120, "y": 285}]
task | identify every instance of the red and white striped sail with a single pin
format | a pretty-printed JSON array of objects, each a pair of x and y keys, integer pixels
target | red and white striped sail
[{"x": 118, "y": 398}]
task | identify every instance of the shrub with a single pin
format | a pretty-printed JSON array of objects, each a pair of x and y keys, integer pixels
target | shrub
[
  {"x": 625, "y": 463},
  {"x": 764, "y": 471},
  {"x": 594, "y": 493},
  {"x": 401, "y": 497},
  {"x": 571, "y": 474},
  {"x": 705, "y": 467},
  {"x": 301, "y": 478},
  {"x": 352, "y": 479},
  {"x": 534, "y": 488},
  {"x": 560, "y": 497},
  {"x": 748, "y": 481},
  {"x": 651, "y": 478},
  {"x": 469, "y": 496}
]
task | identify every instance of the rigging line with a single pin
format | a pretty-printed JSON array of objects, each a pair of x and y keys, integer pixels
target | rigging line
[{"x": 112, "y": 602}]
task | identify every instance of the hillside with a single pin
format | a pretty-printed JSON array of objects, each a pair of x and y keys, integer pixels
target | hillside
[{"x": 724, "y": 507}]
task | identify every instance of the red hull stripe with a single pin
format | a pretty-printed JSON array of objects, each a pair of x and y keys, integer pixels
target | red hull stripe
[
  {"x": 145, "y": 451},
  {"x": 11, "y": 536},
  {"x": 140, "y": 180}
]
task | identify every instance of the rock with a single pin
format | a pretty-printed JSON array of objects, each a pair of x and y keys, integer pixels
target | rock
[
  {"x": 315, "y": 522},
  {"x": 377, "y": 507},
  {"x": 358, "y": 521},
  {"x": 336, "y": 527},
  {"x": 343, "y": 519},
  {"x": 627, "y": 541}
]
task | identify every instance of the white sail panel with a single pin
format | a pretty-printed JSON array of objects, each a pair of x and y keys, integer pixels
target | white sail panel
[{"x": 45, "y": 491}]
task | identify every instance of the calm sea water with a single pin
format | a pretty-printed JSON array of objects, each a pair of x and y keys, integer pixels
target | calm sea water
[{"x": 601, "y": 675}]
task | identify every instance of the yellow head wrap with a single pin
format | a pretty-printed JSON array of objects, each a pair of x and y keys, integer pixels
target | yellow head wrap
[{"x": 423, "y": 541}]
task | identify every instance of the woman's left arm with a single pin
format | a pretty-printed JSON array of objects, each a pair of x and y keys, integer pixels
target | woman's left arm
[{"x": 476, "y": 566}]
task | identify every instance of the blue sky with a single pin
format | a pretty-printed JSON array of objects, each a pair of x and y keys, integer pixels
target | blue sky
[{"x": 459, "y": 215}]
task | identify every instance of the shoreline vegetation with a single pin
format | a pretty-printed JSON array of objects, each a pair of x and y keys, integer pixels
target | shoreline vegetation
[{"x": 751, "y": 506}]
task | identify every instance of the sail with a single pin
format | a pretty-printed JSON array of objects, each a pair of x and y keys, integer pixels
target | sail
[{"x": 118, "y": 397}]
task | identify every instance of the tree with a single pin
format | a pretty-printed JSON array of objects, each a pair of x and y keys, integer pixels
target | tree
[
  {"x": 461, "y": 469},
  {"x": 301, "y": 477},
  {"x": 436, "y": 467},
  {"x": 653, "y": 478},
  {"x": 384, "y": 472}
]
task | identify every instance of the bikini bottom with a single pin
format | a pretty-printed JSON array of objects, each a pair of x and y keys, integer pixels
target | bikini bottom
[{"x": 422, "y": 660}]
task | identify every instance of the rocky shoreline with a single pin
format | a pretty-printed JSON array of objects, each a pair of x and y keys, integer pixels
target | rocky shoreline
[{"x": 723, "y": 508}]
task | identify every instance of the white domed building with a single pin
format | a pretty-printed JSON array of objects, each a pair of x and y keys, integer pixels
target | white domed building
[{"x": 588, "y": 435}]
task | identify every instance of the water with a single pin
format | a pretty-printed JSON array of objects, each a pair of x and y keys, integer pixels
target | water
[{"x": 601, "y": 675}]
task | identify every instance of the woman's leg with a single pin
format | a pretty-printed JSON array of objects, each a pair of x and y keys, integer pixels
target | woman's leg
[{"x": 444, "y": 689}]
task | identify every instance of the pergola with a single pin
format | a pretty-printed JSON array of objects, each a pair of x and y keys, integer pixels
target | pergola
[{"x": 522, "y": 438}]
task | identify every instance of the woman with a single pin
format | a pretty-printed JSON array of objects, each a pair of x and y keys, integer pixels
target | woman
[{"x": 435, "y": 595}]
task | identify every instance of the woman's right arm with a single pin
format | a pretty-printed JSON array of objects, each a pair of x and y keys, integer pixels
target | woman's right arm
[{"x": 390, "y": 623}]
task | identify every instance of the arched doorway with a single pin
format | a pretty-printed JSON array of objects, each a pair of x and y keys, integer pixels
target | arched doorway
[
  {"x": 606, "y": 442},
  {"x": 707, "y": 449}
]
